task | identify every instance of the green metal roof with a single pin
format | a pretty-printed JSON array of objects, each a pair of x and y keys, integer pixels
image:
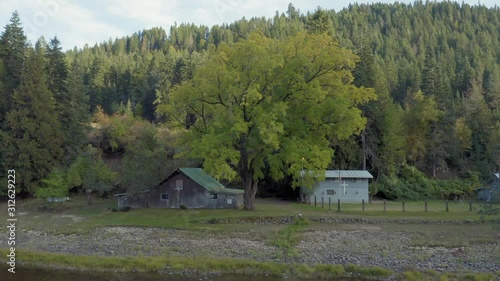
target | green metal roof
[
  {"x": 228, "y": 191},
  {"x": 202, "y": 178},
  {"x": 360, "y": 174}
]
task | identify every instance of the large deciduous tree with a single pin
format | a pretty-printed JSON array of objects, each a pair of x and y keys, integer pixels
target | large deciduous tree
[
  {"x": 146, "y": 161},
  {"x": 268, "y": 106},
  {"x": 90, "y": 173}
]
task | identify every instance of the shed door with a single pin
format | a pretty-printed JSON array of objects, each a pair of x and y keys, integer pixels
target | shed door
[
  {"x": 179, "y": 186},
  {"x": 175, "y": 193}
]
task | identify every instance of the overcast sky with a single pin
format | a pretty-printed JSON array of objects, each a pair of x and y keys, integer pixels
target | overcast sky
[{"x": 78, "y": 22}]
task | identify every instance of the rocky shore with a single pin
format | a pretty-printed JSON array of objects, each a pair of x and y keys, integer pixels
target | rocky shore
[{"x": 365, "y": 246}]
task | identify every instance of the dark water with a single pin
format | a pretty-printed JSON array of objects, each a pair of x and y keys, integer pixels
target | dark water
[{"x": 34, "y": 274}]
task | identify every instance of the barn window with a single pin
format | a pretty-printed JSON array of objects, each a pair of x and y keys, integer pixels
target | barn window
[
  {"x": 330, "y": 192},
  {"x": 164, "y": 196},
  {"x": 213, "y": 196},
  {"x": 179, "y": 183}
]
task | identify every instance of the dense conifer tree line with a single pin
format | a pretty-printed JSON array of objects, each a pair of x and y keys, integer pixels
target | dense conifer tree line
[{"x": 433, "y": 129}]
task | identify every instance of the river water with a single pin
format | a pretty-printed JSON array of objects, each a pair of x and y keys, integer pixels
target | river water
[{"x": 35, "y": 274}]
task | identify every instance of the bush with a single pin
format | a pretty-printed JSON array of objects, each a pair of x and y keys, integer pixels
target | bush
[
  {"x": 299, "y": 220},
  {"x": 411, "y": 184},
  {"x": 125, "y": 209},
  {"x": 183, "y": 207},
  {"x": 213, "y": 221}
]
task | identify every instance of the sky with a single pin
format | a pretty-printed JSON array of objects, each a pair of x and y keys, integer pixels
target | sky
[{"x": 76, "y": 22}]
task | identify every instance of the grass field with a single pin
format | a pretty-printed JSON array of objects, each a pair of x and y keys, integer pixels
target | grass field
[{"x": 76, "y": 216}]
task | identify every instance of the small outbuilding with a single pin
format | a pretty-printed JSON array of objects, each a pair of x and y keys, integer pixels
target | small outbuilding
[
  {"x": 188, "y": 187},
  {"x": 350, "y": 186},
  {"x": 490, "y": 192}
]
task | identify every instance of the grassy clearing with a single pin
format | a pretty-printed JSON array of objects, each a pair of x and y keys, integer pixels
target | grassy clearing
[
  {"x": 431, "y": 275},
  {"x": 230, "y": 266},
  {"x": 199, "y": 264},
  {"x": 416, "y": 210},
  {"x": 287, "y": 238},
  {"x": 76, "y": 216}
]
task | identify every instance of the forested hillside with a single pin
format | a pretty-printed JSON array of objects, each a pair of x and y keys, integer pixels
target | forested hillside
[{"x": 432, "y": 130}]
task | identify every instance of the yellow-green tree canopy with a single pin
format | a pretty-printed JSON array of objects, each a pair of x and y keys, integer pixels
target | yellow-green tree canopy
[{"x": 268, "y": 106}]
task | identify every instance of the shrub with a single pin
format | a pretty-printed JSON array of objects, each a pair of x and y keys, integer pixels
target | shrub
[
  {"x": 212, "y": 221},
  {"x": 299, "y": 220}
]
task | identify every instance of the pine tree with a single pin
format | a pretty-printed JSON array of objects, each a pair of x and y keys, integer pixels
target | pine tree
[
  {"x": 492, "y": 95},
  {"x": 320, "y": 22},
  {"x": 76, "y": 119},
  {"x": 70, "y": 100},
  {"x": 57, "y": 71},
  {"x": 32, "y": 136},
  {"x": 13, "y": 44}
]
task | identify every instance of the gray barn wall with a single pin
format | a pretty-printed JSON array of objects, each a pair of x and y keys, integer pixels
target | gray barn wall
[
  {"x": 139, "y": 200},
  {"x": 222, "y": 201},
  {"x": 192, "y": 195}
]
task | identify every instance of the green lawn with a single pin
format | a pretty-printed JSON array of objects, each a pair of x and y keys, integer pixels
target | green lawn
[
  {"x": 76, "y": 216},
  {"x": 436, "y": 210}
]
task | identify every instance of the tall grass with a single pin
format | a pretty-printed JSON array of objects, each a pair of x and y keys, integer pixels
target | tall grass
[{"x": 198, "y": 264}]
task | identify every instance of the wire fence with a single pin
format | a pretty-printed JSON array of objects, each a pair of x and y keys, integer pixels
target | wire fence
[{"x": 392, "y": 206}]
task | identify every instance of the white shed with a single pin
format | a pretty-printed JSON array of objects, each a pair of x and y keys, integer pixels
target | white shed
[{"x": 350, "y": 186}]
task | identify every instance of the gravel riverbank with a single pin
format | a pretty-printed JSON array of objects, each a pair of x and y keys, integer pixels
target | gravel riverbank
[{"x": 366, "y": 245}]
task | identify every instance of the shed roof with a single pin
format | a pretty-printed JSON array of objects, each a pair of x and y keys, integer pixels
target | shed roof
[
  {"x": 359, "y": 174},
  {"x": 228, "y": 191},
  {"x": 208, "y": 182},
  {"x": 202, "y": 178}
]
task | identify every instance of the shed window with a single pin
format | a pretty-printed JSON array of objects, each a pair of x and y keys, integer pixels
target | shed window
[
  {"x": 229, "y": 201},
  {"x": 330, "y": 192},
  {"x": 179, "y": 184},
  {"x": 213, "y": 196},
  {"x": 164, "y": 196}
]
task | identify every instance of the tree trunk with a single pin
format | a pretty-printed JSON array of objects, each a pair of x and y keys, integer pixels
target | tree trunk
[
  {"x": 250, "y": 186},
  {"x": 363, "y": 144},
  {"x": 89, "y": 199},
  {"x": 246, "y": 174}
]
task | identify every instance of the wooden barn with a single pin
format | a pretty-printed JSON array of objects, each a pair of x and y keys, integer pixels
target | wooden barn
[
  {"x": 490, "y": 192},
  {"x": 350, "y": 186},
  {"x": 189, "y": 187}
]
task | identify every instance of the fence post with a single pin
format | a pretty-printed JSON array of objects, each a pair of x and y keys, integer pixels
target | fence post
[
  {"x": 363, "y": 205},
  {"x": 322, "y": 202},
  {"x": 385, "y": 205},
  {"x": 330, "y": 203},
  {"x": 338, "y": 205},
  {"x": 314, "y": 200},
  {"x": 309, "y": 199},
  {"x": 426, "y": 205},
  {"x": 447, "y": 210},
  {"x": 470, "y": 205},
  {"x": 403, "y": 206}
]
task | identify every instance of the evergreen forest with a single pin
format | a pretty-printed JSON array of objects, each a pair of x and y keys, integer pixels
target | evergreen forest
[{"x": 409, "y": 92}]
